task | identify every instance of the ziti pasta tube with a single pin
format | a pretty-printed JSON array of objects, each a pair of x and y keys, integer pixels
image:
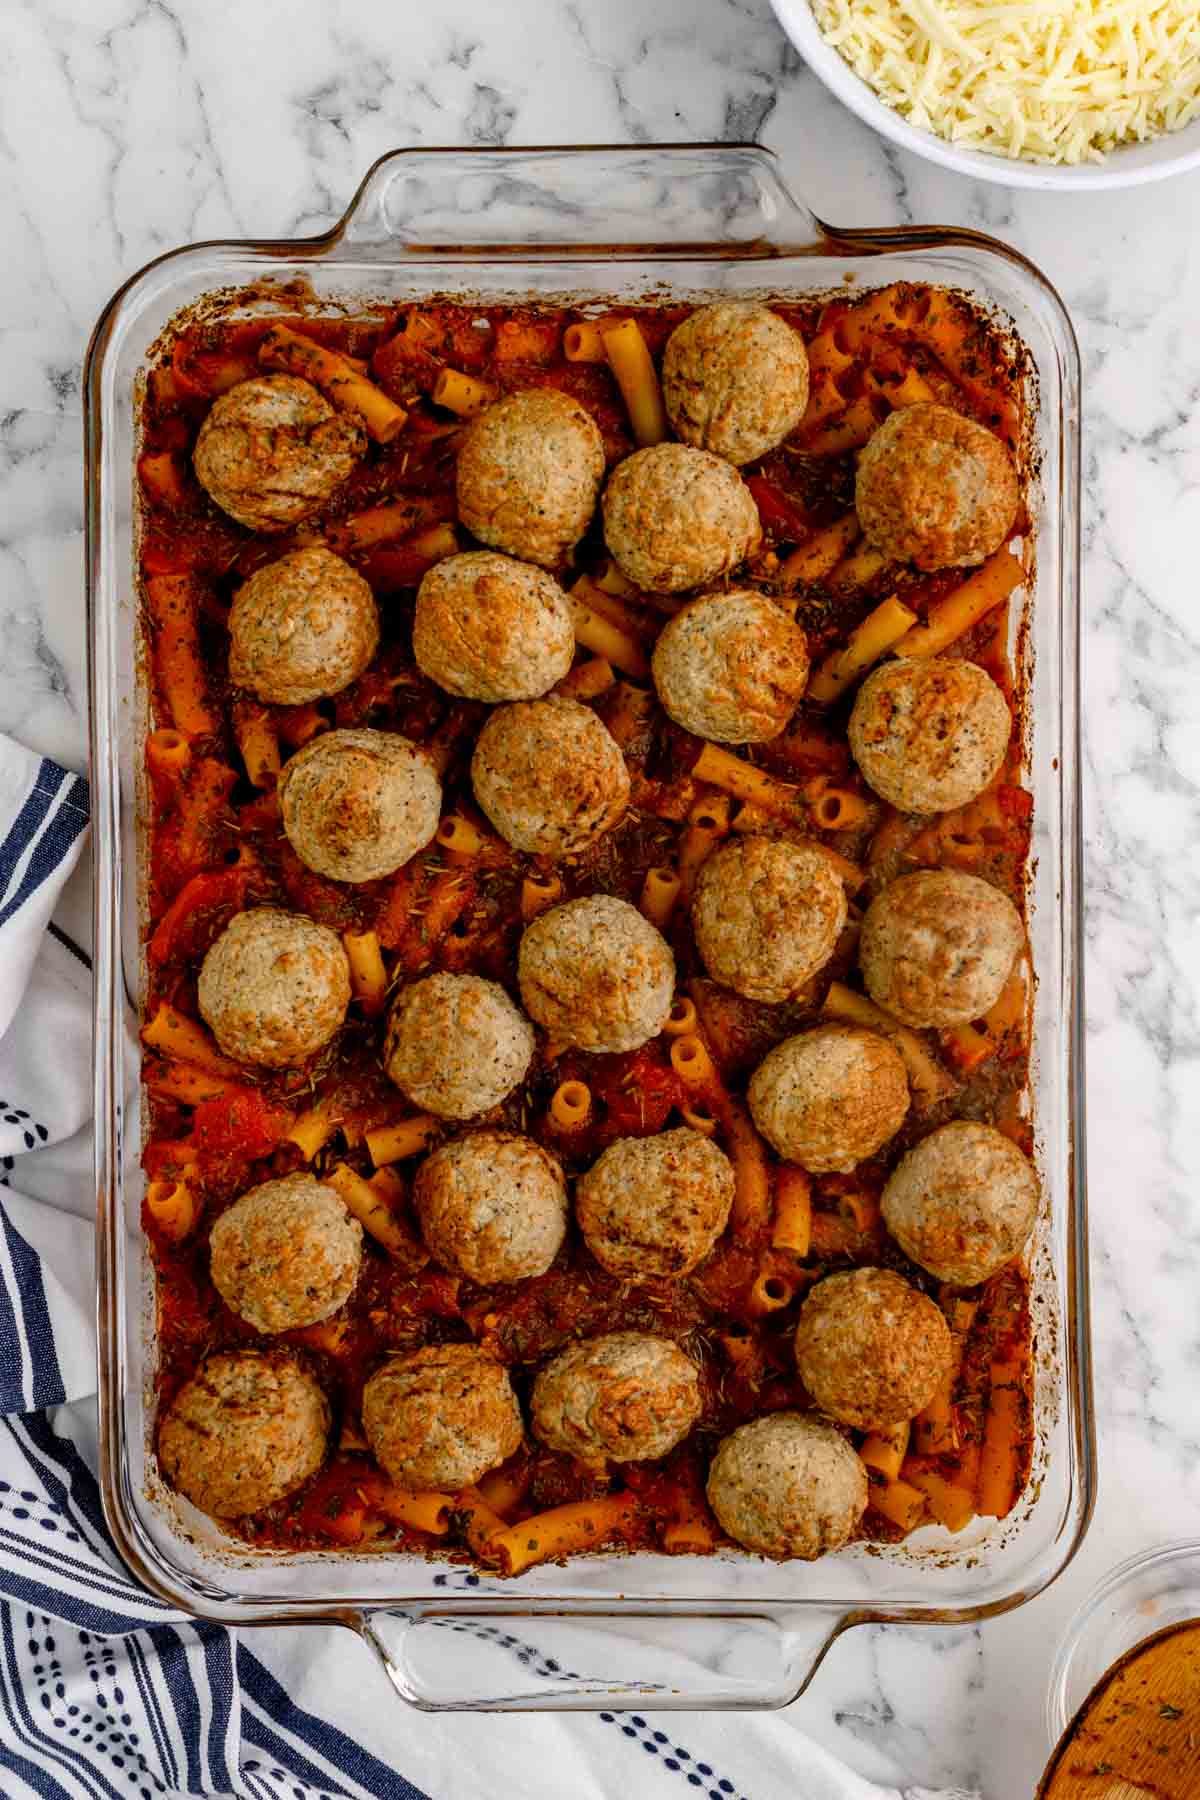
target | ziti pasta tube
[
  {"x": 637, "y": 378},
  {"x": 880, "y": 631},
  {"x": 339, "y": 379}
]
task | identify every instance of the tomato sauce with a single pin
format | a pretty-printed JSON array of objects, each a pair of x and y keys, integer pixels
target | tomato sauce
[{"x": 244, "y": 859}]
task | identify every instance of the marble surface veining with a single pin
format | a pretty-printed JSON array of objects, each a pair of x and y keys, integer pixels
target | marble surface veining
[{"x": 129, "y": 126}]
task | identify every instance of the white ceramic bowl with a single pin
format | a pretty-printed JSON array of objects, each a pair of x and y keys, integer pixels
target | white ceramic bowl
[{"x": 1129, "y": 166}]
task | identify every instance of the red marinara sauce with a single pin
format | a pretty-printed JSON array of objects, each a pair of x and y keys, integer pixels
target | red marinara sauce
[{"x": 214, "y": 845}]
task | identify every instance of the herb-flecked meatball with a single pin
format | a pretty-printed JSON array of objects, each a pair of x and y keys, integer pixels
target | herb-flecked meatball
[
  {"x": 767, "y": 915},
  {"x": 655, "y": 1206},
  {"x": 301, "y": 628},
  {"x": 550, "y": 776},
  {"x": 623, "y": 1397},
  {"x": 935, "y": 489},
  {"x": 286, "y": 1254},
  {"x": 487, "y": 627},
  {"x": 249, "y": 1427},
  {"x": 595, "y": 974},
  {"x": 732, "y": 667},
  {"x": 963, "y": 1202},
  {"x": 441, "y": 1417},
  {"x": 272, "y": 450},
  {"x": 529, "y": 473},
  {"x": 274, "y": 988},
  {"x": 735, "y": 379},
  {"x": 456, "y": 1045},
  {"x": 787, "y": 1485},
  {"x": 871, "y": 1350},
  {"x": 492, "y": 1206},
  {"x": 357, "y": 805},
  {"x": 929, "y": 733},
  {"x": 830, "y": 1097},
  {"x": 937, "y": 947},
  {"x": 677, "y": 518}
]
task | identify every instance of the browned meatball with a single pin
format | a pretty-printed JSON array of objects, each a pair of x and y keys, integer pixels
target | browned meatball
[
  {"x": 732, "y": 667},
  {"x": 529, "y": 472},
  {"x": 456, "y": 1045},
  {"x": 441, "y": 1417},
  {"x": 654, "y": 1207},
  {"x": 935, "y": 489},
  {"x": 929, "y": 733},
  {"x": 301, "y": 628},
  {"x": 274, "y": 987},
  {"x": 272, "y": 450},
  {"x": 787, "y": 1485},
  {"x": 286, "y": 1254},
  {"x": 830, "y": 1097},
  {"x": 249, "y": 1427},
  {"x": 678, "y": 518},
  {"x": 767, "y": 914},
  {"x": 490, "y": 628},
  {"x": 962, "y": 1203},
  {"x": 492, "y": 1205},
  {"x": 624, "y": 1397},
  {"x": 937, "y": 947},
  {"x": 870, "y": 1349},
  {"x": 550, "y": 776},
  {"x": 357, "y": 805},
  {"x": 596, "y": 974},
  {"x": 735, "y": 379}
]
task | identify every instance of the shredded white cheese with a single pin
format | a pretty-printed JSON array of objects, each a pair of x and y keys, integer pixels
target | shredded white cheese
[{"x": 1057, "y": 81}]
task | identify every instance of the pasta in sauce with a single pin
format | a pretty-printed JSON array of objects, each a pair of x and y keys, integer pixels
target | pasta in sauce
[{"x": 216, "y": 847}]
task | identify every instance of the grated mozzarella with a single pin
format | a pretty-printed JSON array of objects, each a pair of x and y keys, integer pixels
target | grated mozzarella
[{"x": 1058, "y": 81}]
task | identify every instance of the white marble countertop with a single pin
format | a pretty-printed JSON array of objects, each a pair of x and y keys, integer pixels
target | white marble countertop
[{"x": 127, "y": 128}]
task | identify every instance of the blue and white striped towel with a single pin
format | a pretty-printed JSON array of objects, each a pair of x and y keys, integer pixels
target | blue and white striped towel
[{"x": 105, "y": 1692}]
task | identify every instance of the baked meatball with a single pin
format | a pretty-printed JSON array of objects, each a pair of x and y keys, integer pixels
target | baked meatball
[
  {"x": 596, "y": 974},
  {"x": 787, "y": 1485},
  {"x": 962, "y": 1203},
  {"x": 871, "y": 1349},
  {"x": 829, "y": 1098},
  {"x": 624, "y": 1397},
  {"x": 272, "y": 450},
  {"x": 302, "y": 627},
  {"x": 655, "y": 1206},
  {"x": 929, "y": 733},
  {"x": 492, "y": 1206},
  {"x": 549, "y": 775},
  {"x": 678, "y": 518},
  {"x": 286, "y": 1254},
  {"x": 248, "y": 1428},
  {"x": 937, "y": 947},
  {"x": 456, "y": 1045},
  {"x": 357, "y": 805},
  {"x": 732, "y": 667},
  {"x": 767, "y": 914},
  {"x": 529, "y": 472},
  {"x": 441, "y": 1417},
  {"x": 735, "y": 379},
  {"x": 274, "y": 987},
  {"x": 489, "y": 628},
  {"x": 935, "y": 489}
]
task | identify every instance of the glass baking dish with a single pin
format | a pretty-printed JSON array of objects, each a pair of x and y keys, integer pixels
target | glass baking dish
[{"x": 644, "y": 1630}]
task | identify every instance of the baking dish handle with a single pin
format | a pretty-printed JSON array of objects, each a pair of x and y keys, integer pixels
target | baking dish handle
[
  {"x": 602, "y": 200},
  {"x": 528, "y": 1661}
]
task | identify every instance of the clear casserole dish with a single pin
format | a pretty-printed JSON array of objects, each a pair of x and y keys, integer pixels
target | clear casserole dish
[{"x": 642, "y": 1630}]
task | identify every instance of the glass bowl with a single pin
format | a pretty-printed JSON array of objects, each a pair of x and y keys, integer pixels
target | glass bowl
[{"x": 1143, "y": 1596}]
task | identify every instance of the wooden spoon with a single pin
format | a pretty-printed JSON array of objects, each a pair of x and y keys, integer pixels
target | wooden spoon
[{"x": 1137, "y": 1735}]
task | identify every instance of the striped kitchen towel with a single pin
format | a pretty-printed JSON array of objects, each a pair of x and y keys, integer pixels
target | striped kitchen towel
[{"x": 105, "y": 1691}]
